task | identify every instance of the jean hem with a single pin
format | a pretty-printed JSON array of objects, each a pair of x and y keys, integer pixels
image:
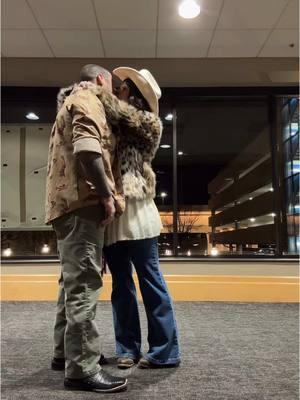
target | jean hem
[
  {"x": 128, "y": 355},
  {"x": 169, "y": 361}
]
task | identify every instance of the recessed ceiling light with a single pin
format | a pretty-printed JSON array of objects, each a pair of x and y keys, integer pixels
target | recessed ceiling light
[
  {"x": 32, "y": 116},
  {"x": 189, "y": 9},
  {"x": 169, "y": 117},
  {"x": 165, "y": 146}
]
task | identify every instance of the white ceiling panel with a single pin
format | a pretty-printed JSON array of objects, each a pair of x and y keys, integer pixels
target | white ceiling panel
[
  {"x": 170, "y": 19},
  {"x": 237, "y": 43},
  {"x": 278, "y": 44},
  {"x": 251, "y": 14},
  {"x": 64, "y": 14},
  {"x": 127, "y": 44},
  {"x": 15, "y": 14},
  {"x": 129, "y": 14},
  {"x": 183, "y": 43},
  {"x": 24, "y": 43},
  {"x": 75, "y": 43},
  {"x": 290, "y": 17}
]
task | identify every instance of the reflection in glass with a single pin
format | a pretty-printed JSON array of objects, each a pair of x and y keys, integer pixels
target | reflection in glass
[{"x": 290, "y": 135}]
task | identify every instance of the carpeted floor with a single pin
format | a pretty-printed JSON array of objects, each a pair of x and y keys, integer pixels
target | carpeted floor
[{"x": 233, "y": 351}]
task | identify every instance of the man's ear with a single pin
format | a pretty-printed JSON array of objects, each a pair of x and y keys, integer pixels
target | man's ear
[{"x": 100, "y": 80}]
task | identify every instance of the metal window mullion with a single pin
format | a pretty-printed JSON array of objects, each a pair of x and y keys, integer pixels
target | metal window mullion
[{"x": 175, "y": 194}]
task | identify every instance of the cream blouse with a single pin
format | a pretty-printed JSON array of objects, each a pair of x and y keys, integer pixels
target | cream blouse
[{"x": 140, "y": 220}]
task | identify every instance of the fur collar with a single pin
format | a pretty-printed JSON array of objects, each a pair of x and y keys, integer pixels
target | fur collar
[
  {"x": 117, "y": 112},
  {"x": 67, "y": 91}
]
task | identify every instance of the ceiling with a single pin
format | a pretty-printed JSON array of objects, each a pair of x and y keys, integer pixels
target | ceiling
[{"x": 148, "y": 29}]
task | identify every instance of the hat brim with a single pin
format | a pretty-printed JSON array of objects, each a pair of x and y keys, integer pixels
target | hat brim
[{"x": 141, "y": 83}]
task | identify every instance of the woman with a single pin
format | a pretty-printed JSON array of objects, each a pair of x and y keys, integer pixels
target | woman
[{"x": 132, "y": 239}]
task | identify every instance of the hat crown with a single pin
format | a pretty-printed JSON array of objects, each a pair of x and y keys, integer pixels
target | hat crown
[
  {"x": 151, "y": 81},
  {"x": 145, "y": 82}
]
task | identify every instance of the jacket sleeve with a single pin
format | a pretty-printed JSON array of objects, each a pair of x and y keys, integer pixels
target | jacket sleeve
[
  {"x": 139, "y": 124},
  {"x": 88, "y": 120}
]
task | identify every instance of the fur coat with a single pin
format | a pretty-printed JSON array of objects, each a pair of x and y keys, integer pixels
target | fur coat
[{"x": 139, "y": 135}]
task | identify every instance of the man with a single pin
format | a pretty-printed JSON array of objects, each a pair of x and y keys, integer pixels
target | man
[{"x": 83, "y": 194}]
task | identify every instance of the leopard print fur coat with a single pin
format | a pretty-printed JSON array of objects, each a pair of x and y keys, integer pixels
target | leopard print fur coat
[{"x": 139, "y": 134}]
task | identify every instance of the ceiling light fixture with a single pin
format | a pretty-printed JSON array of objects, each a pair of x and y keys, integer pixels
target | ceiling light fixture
[
  {"x": 189, "y": 9},
  {"x": 252, "y": 219},
  {"x": 169, "y": 117},
  {"x": 163, "y": 194},
  {"x": 180, "y": 153},
  {"x": 165, "y": 146},
  {"x": 32, "y": 116}
]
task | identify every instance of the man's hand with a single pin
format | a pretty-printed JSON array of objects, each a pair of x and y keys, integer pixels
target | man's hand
[{"x": 110, "y": 210}]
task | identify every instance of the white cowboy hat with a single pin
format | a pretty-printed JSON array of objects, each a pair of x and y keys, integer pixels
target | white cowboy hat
[{"x": 144, "y": 81}]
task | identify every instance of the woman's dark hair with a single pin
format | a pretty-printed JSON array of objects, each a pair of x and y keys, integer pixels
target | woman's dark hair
[{"x": 136, "y": 98}]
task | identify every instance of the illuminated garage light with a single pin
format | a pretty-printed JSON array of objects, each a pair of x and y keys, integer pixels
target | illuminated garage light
[
  {"x": 189, "y": 9},
  {"x": 32, "y": 116}
]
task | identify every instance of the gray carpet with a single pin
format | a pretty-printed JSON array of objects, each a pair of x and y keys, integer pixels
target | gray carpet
[{"x": 233, "y": 351}]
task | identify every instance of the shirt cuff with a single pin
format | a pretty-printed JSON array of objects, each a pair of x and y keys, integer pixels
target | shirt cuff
[{"x": 87, "y": 144}]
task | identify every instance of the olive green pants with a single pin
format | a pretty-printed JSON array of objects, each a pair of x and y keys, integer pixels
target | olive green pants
[{"x": 76, "y": 337}]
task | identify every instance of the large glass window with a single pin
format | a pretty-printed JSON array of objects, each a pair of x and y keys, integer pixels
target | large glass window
[
  {"x": 215, "y": 173},
  {"x": 224, "y": 171},
  {"x": 291, "y": 163}
]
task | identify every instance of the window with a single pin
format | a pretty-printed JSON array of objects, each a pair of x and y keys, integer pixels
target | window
[
  {"x": 290, "y": 138},
  {"x": 218, "y": 160}
]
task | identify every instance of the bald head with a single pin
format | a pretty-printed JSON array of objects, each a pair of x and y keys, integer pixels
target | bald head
[
  {"x": 90, "y": 72},
  {"x": 96, "y": 74}
]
